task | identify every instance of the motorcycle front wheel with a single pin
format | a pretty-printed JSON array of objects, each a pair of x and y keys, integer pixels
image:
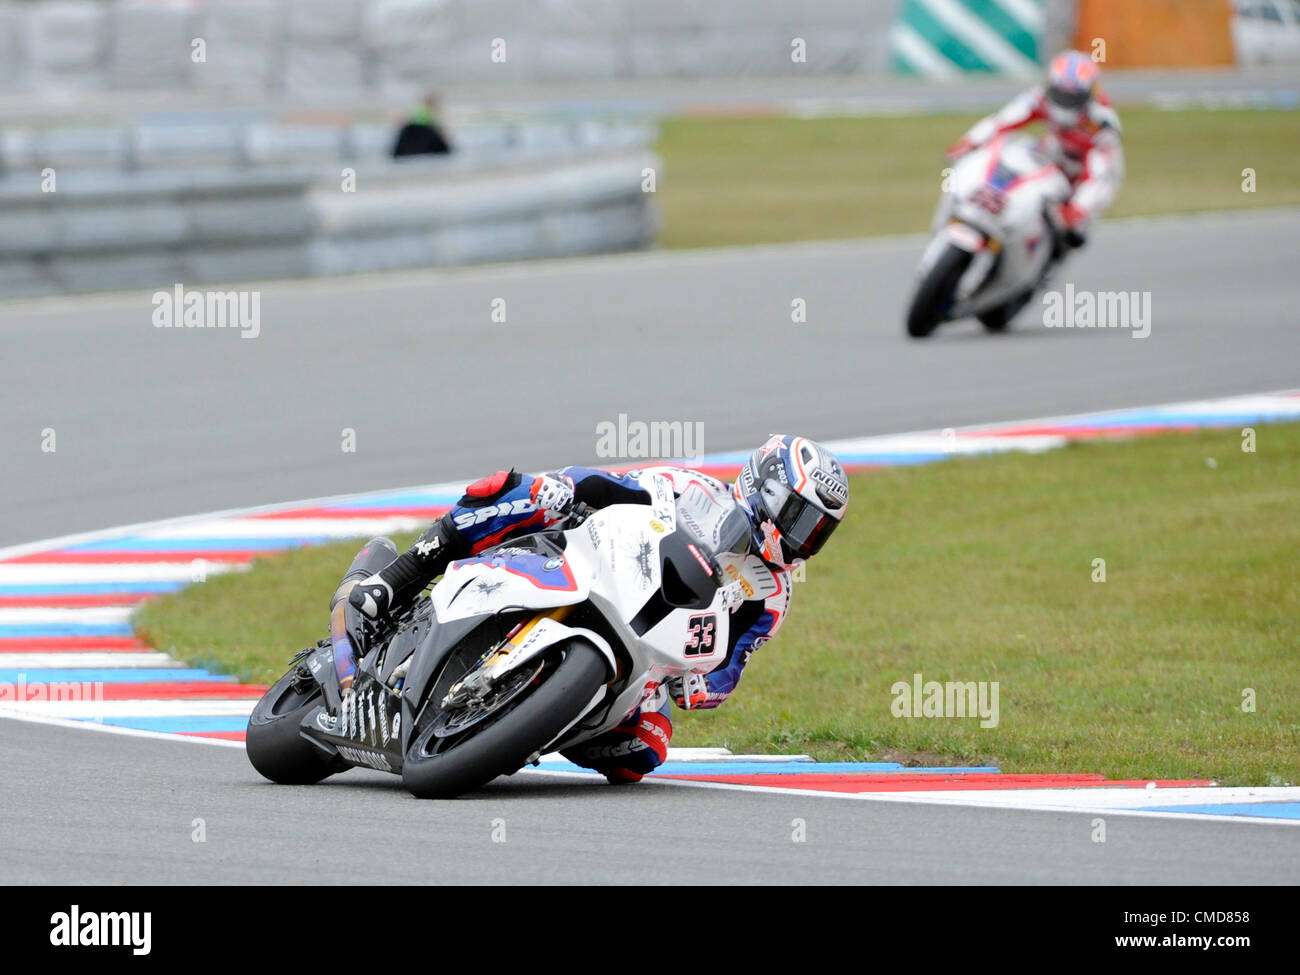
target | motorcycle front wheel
[
  {"x": 935, "y": 291},
  {"x": 453, "y": 752}
]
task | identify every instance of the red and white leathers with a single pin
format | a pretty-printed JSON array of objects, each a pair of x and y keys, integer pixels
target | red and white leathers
[{"x": 1085, "y": 144}]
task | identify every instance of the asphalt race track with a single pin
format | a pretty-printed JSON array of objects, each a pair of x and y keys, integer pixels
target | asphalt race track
[
  {"x": 85, "y": 807},
  {"x": 152, "y": 423}
]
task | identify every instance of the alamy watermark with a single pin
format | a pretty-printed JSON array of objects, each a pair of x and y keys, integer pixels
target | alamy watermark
[
  {"x": 179, "y": 308},
  {"x": 626, "y": 438},
  {"x": 75, "y": 928},
  {"x": 1098, "y": 309},
  {"x": 23, "y": 691},
  {"x": 950, "y": 699}
]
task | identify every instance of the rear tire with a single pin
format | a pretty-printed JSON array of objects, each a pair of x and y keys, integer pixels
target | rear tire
[
  {"x": 505, "y": 743},
  {"x": 274, "y": 743},
  {"x": 999, "y": 318},
  {"x": 934, "y": 293}
]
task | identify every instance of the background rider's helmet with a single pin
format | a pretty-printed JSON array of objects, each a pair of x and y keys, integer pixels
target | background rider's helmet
[
  {"x": 796, "y": 493},
  {"x": 1071, "y": 83}
]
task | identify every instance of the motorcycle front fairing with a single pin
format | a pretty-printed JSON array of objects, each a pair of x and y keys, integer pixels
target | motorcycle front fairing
[
  {"x": 370, "y": 726},
  {"x": 496, "y": 589},
  {"x": 531, "y": 573},
  {"x": 673, "y": 637}
]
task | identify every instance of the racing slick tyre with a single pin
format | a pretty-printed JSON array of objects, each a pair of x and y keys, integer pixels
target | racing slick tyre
[
  {"x": 274, "y": 745},
  {"x": 526, "y": 713},
  {"x": 934, "y": 293}
]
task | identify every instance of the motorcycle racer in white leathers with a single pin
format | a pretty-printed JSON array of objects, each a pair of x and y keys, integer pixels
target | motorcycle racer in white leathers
[{"x": 793, "y": 491}]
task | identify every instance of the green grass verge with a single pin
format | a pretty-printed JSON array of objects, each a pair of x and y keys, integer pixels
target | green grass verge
[
  {"x": 974, "y": 570},
  {"x": 766, "y": 180}
]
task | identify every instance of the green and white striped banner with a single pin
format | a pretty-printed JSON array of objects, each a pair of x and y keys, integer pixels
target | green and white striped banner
[{"x": 948, "y": 38}]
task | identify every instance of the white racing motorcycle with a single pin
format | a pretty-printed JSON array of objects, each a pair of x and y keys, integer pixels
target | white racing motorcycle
[
  {"x": 533, "y": 646},
  {"x": 994, "y": 243}
]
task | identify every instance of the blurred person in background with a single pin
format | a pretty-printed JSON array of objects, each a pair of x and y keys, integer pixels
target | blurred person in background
[
  {"x": 421, "y": 136},
  {"x": 1083, "y": 139}
]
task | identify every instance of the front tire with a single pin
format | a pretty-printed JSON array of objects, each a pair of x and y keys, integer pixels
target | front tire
[
  {"x": 934, "y": 293},
  {"x": 274, "y": 743},
  {"x": 505, "y": 742}
]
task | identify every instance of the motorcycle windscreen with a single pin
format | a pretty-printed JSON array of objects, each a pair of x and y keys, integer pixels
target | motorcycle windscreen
[
  {"x": 707, "y": 529},
  {"x": 719, "y": 528}
]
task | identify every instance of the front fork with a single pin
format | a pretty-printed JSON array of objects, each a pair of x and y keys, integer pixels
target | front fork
[
  {"x": 984, "y": 251},
  {"x": 480, "y": 680}
]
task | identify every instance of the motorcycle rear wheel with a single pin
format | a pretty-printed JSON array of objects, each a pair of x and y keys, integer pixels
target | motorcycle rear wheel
[
  {"x": 501, "y": 743},
  {"x": 999, "y": 318},
  {"x": 274, "y": 744}
]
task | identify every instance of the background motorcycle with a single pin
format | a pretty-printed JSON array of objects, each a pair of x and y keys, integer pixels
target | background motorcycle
[
  {"x": 533, "y": 646},
  {"x": 995, "y": 243}
]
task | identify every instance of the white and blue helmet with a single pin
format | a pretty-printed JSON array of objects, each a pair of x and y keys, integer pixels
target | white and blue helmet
[{"x": 797, "y": 493}]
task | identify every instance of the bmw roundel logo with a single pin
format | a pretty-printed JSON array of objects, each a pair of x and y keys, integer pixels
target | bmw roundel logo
[{"x": 553, "y": 564}]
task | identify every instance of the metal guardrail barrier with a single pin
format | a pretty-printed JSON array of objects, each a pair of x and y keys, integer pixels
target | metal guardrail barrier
[{"x": 209, "y": 142}]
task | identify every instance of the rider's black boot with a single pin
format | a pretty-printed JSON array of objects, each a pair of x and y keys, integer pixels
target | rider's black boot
[{"x": 393, "y": 587}]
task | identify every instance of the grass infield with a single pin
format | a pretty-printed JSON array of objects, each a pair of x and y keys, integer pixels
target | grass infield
[
  {"x": 1181, "y": 664},
  {"x": 772, "y": 179}
]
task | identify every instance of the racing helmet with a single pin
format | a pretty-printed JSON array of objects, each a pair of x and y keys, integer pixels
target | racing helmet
[
  {"x": 1071, "y": 84},
  {"x": 796, "y": 493}
]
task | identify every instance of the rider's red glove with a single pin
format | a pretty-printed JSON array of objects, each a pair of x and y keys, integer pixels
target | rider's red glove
[
  {"x": 1070, "y": 217},
  {"x": 689, "y": 692},
  {"x": 1070, "y": 224},
  {"x": 553, "y": 494}
]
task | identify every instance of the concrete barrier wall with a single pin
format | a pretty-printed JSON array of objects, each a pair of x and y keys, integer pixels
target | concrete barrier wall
[
  {"x": 209, "y": 142},
  {"x": 102, "y": 230},
  {"x": 311, "y": 48},
  {"x": 402, "y": 215},
  {"x": 107, "y": 229}
]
